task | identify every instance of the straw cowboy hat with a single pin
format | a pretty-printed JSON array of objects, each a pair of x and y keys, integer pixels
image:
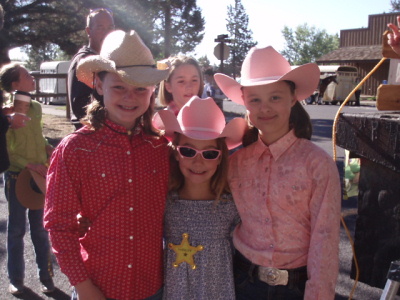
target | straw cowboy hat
[
  {"x": 264, "y": 66},
  {"x": 125, "y": 54},
  {"x": 31, "y": 189},
  {"x": 202, "y": 119}
]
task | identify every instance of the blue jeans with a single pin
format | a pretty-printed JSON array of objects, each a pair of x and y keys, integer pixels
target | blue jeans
[
  {"x": 16, "y": 227},
  {"x": 249, "y": 287}
]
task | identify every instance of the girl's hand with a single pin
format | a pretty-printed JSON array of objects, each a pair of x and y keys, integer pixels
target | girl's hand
[
  {"x": 86, "y": 290},
  {"x": 83, "y": 225},
  {"x": 39, "y": 168},
  {"x": 18, "y": 120},
  {"x": 394, "y": 36}
]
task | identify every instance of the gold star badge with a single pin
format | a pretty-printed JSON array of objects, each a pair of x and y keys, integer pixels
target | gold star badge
[{"x": 184, "y": 252}]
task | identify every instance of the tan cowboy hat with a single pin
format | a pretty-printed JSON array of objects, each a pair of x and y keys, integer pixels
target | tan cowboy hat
[
  {"x": 123, "y": 53},
  {"x": 31, "y": 189},
  {"x": 264, "y": 66},
  {"x": 202, "y": 119}
]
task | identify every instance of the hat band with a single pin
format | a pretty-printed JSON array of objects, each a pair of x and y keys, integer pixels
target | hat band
[
  {"x": 122, "y": 67},
  {"x": 252, "y": 80},
  {"x": 201, "y": 129}
]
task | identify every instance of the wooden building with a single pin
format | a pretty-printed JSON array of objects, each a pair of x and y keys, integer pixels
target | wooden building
[{"x": 362, "y": 48}]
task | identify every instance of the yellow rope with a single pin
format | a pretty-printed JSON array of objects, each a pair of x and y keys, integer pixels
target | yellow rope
[{"x": 334, "y": 158}]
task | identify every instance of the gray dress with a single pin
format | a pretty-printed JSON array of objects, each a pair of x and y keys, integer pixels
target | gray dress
[{"x": 210, "y": 226}]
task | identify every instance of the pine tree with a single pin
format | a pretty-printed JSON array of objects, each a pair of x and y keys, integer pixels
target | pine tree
[
  {"x": 395, "y": 5},
  {"x": 241, "y": 37}
]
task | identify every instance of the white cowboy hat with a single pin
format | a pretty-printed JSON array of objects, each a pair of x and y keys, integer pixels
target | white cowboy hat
[
  {"x": 125, "y": 54},
  {"x": 202, "y": 119},
  {"x": 264, "y": 66}
]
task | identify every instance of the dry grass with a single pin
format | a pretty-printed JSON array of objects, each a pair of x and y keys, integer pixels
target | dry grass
[{"x": 55, "y": 128}]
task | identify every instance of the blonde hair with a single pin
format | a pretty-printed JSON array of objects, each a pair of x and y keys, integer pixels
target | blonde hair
[
  {"x": 164, "y": 96},
  {"x": 219, "y": 181}
]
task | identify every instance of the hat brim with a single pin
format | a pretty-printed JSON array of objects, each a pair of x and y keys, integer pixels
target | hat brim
[
  {"x": 305, "y": 77},
  {"x": 26, "y": 195},
  {"x": 140, "y": 76},
  {"x": 233, "y": 131}
]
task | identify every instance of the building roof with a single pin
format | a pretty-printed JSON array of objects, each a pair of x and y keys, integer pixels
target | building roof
[{"x": 353, "y": 54}]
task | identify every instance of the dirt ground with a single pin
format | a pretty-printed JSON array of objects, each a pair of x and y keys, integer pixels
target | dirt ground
[{"x": 55, "y": 128}]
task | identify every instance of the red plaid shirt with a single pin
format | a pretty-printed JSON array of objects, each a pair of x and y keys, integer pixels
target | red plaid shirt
[{"x": 119, "y": 182}]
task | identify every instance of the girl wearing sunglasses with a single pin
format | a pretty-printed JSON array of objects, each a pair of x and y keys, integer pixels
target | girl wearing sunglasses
[{"x": 200, "y": 213}]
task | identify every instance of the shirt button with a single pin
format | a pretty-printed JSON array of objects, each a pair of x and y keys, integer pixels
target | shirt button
[
  {"x": 103, "y": 175},
  {"x": 266, "y": 220},
  {"x": 130, "y": 266},
  {"x": 271, "y": 246},
  {"x": 129, "y": 180},
  {"x": 128, "y": 152},
  {"x": 130, "y": 208},
  {"x": 131, "y": 237}
]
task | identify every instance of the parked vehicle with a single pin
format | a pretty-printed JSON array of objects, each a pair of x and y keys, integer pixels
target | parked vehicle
[
  {"x": 336, "y": 83},
  {"x": 54, "y": 85}
]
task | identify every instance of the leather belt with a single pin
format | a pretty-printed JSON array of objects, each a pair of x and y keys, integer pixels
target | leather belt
[{"x": 271, "y": 276}]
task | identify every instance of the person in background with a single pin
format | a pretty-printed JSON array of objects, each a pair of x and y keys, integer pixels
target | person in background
[
  {"x": 27, "y": 148},
  {"x": 286, "y": 189},
  {"x": 394, "y": 36},
  {"x": 7, "y": 119},
  {"x": 114, "y": 172},
  {"x": 209, "y": 86},
  {"x": 99, "y": 23},
  {"x": 184, "y": 81}
]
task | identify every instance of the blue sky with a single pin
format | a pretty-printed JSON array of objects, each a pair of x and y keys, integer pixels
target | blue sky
[{"x": 267, "y": 18}]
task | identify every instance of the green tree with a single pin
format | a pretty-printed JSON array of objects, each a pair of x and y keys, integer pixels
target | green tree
[
  {"x": 179, "y": 26},
  {"x": 38, "y": 22},
  {"x": 306, "y": 44},
  {"x": 395, "y": 5},
  {"x": 241, "y": 37},
  {"x": 48, "y": 52}
]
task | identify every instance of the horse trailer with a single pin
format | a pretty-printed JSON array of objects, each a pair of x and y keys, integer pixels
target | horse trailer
[{"x": 54, "y": 85}]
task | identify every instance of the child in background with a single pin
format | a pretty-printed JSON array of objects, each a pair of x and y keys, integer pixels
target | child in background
[
  {"x": 114, "y": 172},
  {"x": 27, "y": 148},
  {"x": 184, "y": 81},
  {"x": 200, "y": 213},
  {"x": 286, "y": 189}
]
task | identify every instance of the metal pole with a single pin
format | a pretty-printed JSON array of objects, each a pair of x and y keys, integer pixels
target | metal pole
[{"x": 221, "y": 53}]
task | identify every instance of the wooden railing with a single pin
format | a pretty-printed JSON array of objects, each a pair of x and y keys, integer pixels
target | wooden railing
[{"x": 38, "y": 94}]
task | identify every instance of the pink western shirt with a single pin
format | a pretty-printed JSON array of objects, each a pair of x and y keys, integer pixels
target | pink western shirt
[
  {"x": 288, "y": 196},
  {"x": 119, "y": 182}
]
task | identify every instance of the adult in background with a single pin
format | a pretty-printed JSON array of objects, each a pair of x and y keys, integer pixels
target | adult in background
[{"x": 99, "y": 23}]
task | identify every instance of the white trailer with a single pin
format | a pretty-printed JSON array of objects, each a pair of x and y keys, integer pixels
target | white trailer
[{"x": 54, "y": 85}]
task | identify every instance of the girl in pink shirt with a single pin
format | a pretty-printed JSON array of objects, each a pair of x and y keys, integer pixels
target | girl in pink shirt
[{"x": 286, "y": 189}]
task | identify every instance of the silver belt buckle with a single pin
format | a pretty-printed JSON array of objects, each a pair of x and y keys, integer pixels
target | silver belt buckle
[{"x": 273, "y": 276}]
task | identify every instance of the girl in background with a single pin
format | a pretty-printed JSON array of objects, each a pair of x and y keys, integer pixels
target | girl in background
[
  {"x": 286, "y": 189},
  {"x": 27, "y": 148},
  {"x": 200, "y": 213},
  {"x": 184, "y": 81}
]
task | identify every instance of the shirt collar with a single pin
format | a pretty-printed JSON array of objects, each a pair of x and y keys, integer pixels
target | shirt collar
[
  {"x": 278, "y": 148},
  {"x": 118, "y": 129}
]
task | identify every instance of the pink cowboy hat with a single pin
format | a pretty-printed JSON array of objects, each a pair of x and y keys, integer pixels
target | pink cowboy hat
[
  {"x": 264, "y": 66},
  {"x": 202, "y": 119}
]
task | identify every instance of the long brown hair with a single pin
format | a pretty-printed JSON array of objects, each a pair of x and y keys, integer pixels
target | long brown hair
[
  {"x": 219, "y": 181},
  {"x": 175, "y": 62},
  {"x": 299, "y": 120},
  {"x": 96, "y": 112}
]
